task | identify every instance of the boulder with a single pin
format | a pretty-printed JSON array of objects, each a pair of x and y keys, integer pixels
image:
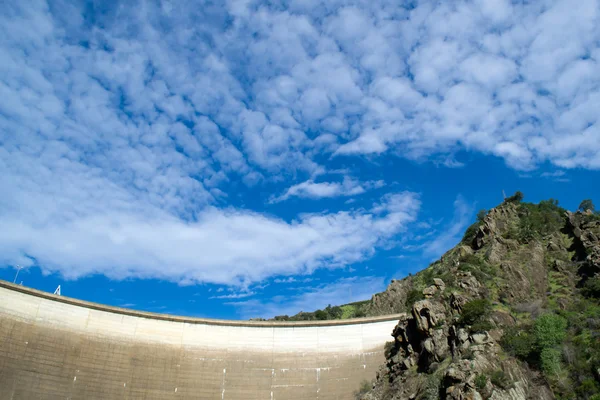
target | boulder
[
  {"x": 468, "y": 282},
  {"x": 430, "y": 291},
  {"x": 457, "y": 301},
  {"x": 440, "y": 342},
  {"x": 455, "y": 375},
  {"x": 463, "y": 338},
  {"x": 428, "y": 315},
  {"x": 428, "y": 345},
  {"x": 481, "y": 338},
  {"x": 464, "y": 251},
  {"x": 439, "y": 284}
]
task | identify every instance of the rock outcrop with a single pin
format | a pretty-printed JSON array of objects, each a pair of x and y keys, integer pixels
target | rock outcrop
[
  {"x": 432, "y": 356},
  {"x": 586, "y": 234},
  {"x": 518, "y": 264},
  {"x": 393, "y": 300}
]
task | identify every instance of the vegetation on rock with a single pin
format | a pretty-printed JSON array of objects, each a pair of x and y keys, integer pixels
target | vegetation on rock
[
  {"x": 346, "y": 311},
  {"x": 515, "y": 198},
  {"x": 586, "y": 205}
]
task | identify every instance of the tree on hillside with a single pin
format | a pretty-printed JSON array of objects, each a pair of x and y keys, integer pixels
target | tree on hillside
[
  {"x": 587, "y": 204},
  {"x": 481, "y": 215},
  {"x": 515, "y": 198},
  {"x": 321, "y": 315},
  {"x": 334, "y": 312}
]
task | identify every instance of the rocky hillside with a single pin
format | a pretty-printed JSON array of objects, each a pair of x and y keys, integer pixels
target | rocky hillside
[{"x": 512, "y": 312}]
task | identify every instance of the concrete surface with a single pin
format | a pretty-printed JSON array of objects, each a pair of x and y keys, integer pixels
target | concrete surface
[{"x": 53, "y": 347}]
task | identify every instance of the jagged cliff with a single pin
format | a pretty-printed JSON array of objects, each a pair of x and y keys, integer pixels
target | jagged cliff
[{"x": 512, "y": 312}]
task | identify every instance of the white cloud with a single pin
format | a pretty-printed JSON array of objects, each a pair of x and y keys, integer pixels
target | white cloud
[
  {"x": 346, "y": 290},
  {"x": 119, "y": 238},
  {"x": 554, "y": 174},
  {"x": 285, "y": 280},
  {"x": 454, "y": 230},
  {"x": 291, "y": 279},
  {"x": 317, "y": 190},
  {"x": 239, "y": 295}
]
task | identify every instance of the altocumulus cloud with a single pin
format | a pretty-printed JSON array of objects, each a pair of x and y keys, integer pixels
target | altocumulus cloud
[
  {"x": 316, "y": 190},
  {"x": 121, "y": 125}
]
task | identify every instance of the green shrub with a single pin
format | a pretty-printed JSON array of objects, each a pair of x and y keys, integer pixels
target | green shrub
[
  {"x": 474, "y": 311},
  {"x": 550, "y": 359},
  {"x": 321, "y": 315},
  {"x": 413, "y": 296},
  {"x": 515, "y": 198},
  {"x": 519, "y": 342},
  {"x": 470, "y": 232},
  {"x": 591, "y": 288},
  {"x": 481, "y": 326},
  {"x": 334, "y": 312},
  {"x": 550, "y": 330},
  {"x": 480, "y": 381},
  {"x": 431, "y": 390},
  {"x": 526, "y": 232},
  {"x": 538, "y": 220},
  {"x": 425, "y": 277},
  {"x": 538, "y": 344},
  {"x": 480, "y": 269},
  {"x": 587, "y": 388},
  {"x": 481, "y": 215}
]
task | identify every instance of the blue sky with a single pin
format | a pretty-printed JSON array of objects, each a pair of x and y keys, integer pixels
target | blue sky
[{"x": 247, "y": 158}]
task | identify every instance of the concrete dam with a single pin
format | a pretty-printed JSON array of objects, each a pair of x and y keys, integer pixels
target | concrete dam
[{"x": 54, "y": 347}]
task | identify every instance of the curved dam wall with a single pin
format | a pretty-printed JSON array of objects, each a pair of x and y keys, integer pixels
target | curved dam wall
[{"x": 54, "y": 347}]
